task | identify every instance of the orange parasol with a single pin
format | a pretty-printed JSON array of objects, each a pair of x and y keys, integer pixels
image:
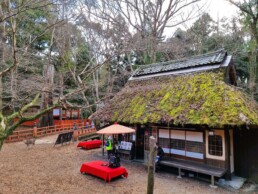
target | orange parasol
[{"x": 116, "y": 129}]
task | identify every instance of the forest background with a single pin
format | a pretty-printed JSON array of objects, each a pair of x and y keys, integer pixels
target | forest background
[{"x": 79, "y": 53}]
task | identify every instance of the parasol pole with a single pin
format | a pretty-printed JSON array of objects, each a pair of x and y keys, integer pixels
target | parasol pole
[{"x": 103, "y": 145}]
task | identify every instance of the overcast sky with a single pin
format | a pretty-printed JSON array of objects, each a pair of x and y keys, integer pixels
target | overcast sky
[
  {"x": 217, "y": 10},
  {"x": 221, "y": 8}
]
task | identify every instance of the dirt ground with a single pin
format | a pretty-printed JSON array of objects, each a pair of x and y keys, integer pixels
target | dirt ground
[{"x": 46, "y": 169}]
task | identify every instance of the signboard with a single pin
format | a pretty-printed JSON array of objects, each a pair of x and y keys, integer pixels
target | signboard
[
  {"x": 56, "y": 112},
  {"x": 64, "y": 138}
]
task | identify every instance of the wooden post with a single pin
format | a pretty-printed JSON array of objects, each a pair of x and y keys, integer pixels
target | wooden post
[
  {"x": 75, "y": 135},
  {"x": 227, "y": 148},
  {"x": 151, "y": 165},
  {"x": 75, "y": 132},
  {"x": 103, "y": 145},
  {"x": 179, "y": 173},
  {"x": 212, "y": 185},
  {"x": 35, "y": 130}
]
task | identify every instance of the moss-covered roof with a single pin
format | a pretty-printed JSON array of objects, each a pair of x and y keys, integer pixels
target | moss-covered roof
[{"x": 202, "y": 98}]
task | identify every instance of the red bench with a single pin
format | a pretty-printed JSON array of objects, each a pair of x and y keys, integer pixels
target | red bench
[
  {"x": 100, "y": 169},
  {"x": 90, "y": 144}
]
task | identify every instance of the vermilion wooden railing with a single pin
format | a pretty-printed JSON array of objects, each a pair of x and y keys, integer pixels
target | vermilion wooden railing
[
  {"x": 57, "y": 122},
  {"x": 20, "y": 135}
]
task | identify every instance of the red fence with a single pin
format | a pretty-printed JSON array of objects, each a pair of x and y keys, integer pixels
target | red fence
[
  {"x": 57, "y": 122},
  {"x": 20, "y": 135}
]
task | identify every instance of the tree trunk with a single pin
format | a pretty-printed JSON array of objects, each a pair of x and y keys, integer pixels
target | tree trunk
[
  {"x": 3, "y": 40},
  {"x": 1, "y": 95},
  {"x": 14, "y": 88},
  {"x": 252, "y": 73},
  {"x": 96, "y": 84},
  {"x": 251, "y": 19},
  {"x": 151, "y": 165},
  {"x": 47, "y": 96},
  {"x": 2, "y": 66},
  {"x": 61, "y": 91},
  {"x": 3, "y": 8},
  {"x": 110, "y": 82},
  {"x": 87, "y": 102},
  {"x": 2, "y": 136},
  {"x": 153, "y": 48},
  {"x": 130, "y": 69}
]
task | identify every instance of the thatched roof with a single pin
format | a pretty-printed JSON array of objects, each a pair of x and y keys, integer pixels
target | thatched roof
[
  {"x": 187, "y": 91},
  {"x": 202, "y": 98}
]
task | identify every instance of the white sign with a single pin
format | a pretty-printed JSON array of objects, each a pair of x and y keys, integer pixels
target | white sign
[{"x": 56, "y": 112}]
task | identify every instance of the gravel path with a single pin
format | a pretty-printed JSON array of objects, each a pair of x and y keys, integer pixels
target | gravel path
[{"x": 46, "y": 169}]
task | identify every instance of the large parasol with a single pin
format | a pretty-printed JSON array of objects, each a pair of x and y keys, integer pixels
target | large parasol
[{"x": 116, "y": 129}]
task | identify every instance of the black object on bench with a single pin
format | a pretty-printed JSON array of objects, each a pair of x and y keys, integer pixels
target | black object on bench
[{"x": 195, "y": 167}]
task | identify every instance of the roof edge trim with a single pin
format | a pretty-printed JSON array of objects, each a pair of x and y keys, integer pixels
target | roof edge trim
[{"x": 225, "y": 63}]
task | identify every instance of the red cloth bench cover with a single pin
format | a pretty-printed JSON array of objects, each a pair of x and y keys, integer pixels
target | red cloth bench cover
[
  {"x": 90, "y": 144},
  {"x": 98, "y": 168}
]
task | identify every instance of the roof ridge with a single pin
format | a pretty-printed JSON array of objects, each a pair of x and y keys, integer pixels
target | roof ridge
[
  {"x": 183, "y": 59},
  {"x": 210, "y": 58}
]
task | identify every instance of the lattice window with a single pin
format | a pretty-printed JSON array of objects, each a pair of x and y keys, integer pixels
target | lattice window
[
  {"x": 192, "y": 146},
  {"x": 215, "y": 145},
  {"x": 178, "y": 144},
  {"x": 164, "y": 142}
]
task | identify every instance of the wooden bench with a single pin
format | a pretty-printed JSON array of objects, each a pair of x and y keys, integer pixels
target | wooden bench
[
  {"x": 194, "y": 167},
  {"x": 125, "y": 149}
]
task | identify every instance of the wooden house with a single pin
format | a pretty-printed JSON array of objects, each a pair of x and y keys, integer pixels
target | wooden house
[{"x": 203, "y": 121}]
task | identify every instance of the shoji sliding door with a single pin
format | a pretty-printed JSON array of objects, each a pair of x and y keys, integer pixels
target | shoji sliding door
[{"x": 182, "y": 143}]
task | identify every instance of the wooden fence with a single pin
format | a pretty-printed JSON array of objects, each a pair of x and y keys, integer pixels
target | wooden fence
[
  {"x": 20, "y": 135},
  {"x": 57, "y": 122}
]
